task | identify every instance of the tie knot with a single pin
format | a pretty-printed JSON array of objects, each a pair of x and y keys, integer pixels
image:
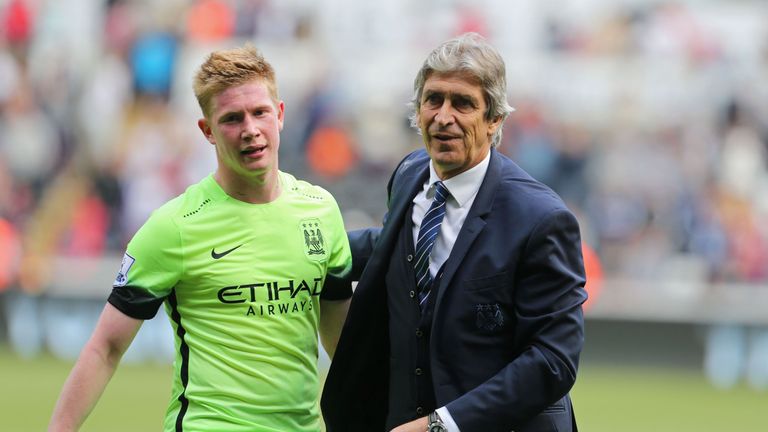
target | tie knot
[{"x": 441, "y": 192}]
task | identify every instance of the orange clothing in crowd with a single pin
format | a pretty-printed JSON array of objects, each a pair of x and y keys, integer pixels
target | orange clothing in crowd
[
  {"x": 9, "y": 253},
  {"x": 594, "y": 270}
]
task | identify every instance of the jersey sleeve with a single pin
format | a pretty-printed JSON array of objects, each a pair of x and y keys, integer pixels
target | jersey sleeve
[
  {"x": 151, "y": 267},
  {"x": 337, "y": 285}
]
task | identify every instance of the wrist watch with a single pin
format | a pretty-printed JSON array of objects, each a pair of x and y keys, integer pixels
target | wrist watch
[{"x": 435, "y": 424}]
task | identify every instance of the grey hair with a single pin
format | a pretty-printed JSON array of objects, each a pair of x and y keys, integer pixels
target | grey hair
[{"x": 468, "y": 53}]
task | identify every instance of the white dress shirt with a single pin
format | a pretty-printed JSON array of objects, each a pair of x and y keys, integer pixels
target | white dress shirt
[{"x": 463, "y": 189}]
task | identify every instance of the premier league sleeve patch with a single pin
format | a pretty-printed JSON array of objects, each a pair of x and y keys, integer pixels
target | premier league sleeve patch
[
  {"x": 125, "y": 267},
  {"x": 314, "y": 242}
]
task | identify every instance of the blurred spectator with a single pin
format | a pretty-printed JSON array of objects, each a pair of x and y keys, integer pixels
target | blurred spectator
[
  {"x": 471, "y": 19},
  {"x": 152, "y": 61},
  {"x": 107, "y": 90},
  {"x": 569, "y": 176},
  {"x": 121, "y": 26},
  {"x": 594, "y": 271},
  {"x": 149, "y": 161},
  {"x": 31, "y": 145},
  {"x": 707, "y": 236},
  {"x": 733, "y": 351},
  {"x": 743, "y": 168},
  {"x": 247, "y": 15},
  {"x": 529, "y": 141},
  {"x": 210, "y": 21},
  {"x": 17, "y": 26},
  {"x": 46, "y": 227},
  {"x": 674, "y": 31},
  {"x": 10, "y": 252},
  {"x": 330, "y": 151}
]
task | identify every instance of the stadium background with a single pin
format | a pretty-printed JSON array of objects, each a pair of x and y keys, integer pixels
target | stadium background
[{"x": 649, "y": 117}]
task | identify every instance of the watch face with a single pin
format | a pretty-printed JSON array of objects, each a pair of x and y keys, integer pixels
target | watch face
[{"x": 435, "y": 424}]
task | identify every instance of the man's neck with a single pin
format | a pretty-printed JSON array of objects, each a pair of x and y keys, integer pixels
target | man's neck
[{"x": 260, "y": 189}]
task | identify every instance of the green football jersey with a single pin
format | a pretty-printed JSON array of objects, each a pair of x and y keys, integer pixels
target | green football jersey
[{"x": 241, "y": 284}]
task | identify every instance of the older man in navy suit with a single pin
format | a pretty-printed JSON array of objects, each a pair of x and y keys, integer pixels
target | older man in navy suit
[{"x": 467, "y": 315}]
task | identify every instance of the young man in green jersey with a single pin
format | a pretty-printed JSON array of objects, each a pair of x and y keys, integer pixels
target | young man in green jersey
[{"x": 244, "y": 263}]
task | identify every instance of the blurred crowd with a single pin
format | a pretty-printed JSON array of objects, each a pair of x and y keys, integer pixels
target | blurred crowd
[{"x": 649, "y": 117}]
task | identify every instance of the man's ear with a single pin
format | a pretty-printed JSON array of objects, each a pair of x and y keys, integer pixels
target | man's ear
[
  {"x": 494, "y": 125},
  {"x": 205, "y": 128},
  {"x": 280, "y": 115}
]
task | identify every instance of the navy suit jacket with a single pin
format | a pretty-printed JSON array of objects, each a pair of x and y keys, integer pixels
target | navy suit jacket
[{"x": 507, "y": 327}]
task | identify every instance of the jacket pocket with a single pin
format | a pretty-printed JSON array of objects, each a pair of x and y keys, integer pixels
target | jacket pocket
[
  {"x": 556, "y": 407},
  {"x": 487, "y": 282}
]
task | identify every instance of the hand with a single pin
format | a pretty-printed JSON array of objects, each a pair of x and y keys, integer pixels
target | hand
[{"x": 418, "y": 425}]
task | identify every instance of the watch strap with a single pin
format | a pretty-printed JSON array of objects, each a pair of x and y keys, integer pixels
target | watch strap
[{"x": 435, "y": 423}]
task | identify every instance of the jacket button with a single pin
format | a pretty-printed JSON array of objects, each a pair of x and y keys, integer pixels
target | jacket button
[
  {"x": 409, "y": 258},
  {"x": 412, "y": 294},
  {"x": 419, "y": 410},
  {"x": 419, "y": 333},
  {"x": 418, "y": 371}
]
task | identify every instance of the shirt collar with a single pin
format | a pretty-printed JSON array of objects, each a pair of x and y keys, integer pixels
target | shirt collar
[{"x": 463, "y": 186}]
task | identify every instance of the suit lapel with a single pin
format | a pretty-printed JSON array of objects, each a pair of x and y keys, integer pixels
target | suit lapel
[
  {"x": 474, "y": 224},
  {"x": 412, "y": 184},
  {"x": 404, "y": 189}
]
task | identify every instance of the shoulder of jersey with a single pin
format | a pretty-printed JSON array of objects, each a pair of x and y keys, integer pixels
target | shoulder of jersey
[
  {"x": 306, "y": 189},
  {"x": 190, "y": 203}
]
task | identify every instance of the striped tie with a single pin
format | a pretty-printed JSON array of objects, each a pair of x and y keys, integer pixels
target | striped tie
[{"x": 430, "y": 228}]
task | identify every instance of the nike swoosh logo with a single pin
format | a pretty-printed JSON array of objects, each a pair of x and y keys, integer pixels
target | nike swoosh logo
[{"x": 215, "y": 255}]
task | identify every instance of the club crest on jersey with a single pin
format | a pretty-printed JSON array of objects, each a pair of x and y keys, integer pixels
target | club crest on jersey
[
  {"x": 125, "y": 267},
  {"x": 314, "y": 244}
]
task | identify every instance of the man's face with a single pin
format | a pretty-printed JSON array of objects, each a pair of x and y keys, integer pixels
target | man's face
[
  {"x": 244, "y": 125},
  {"x": 453, "y": 124}
]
